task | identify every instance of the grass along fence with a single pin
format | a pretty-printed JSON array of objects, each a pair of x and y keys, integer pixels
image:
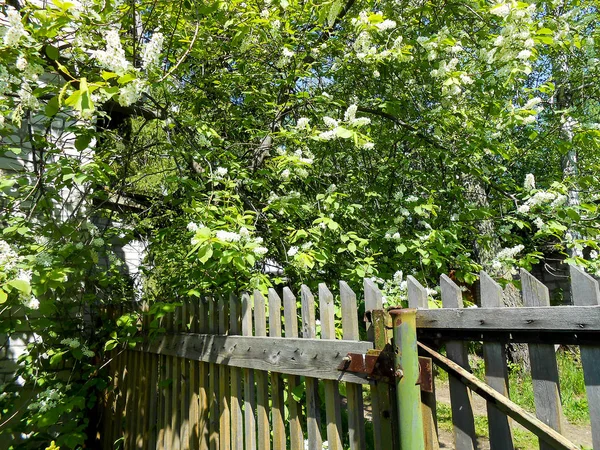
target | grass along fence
[{"x": 260, "y": 373}]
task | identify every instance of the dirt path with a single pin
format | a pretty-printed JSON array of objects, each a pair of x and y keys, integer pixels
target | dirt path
[{"x": 578, "y": 434}]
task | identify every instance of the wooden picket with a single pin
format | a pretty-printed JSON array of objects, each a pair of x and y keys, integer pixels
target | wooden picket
[{"x": 229, "y": 372}]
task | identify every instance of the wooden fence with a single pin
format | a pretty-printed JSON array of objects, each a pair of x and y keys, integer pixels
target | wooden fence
[{"x": 234, "y": 374}]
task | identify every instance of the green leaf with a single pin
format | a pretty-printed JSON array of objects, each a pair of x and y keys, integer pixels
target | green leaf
[
  {"x": 52, "y": 107},
  {"x": 21, "y": 285},
  {"x": 352, "y": 247},
  {"x": 3, "y": 296},
  {"x": 110, "y": 345},
  {"x": 126, "y": 78},
  {"x": 343, "y": 133},
  {"x": 205, "y": 253},
  {"x": 52, "y": 52},
  {"x": 82, "y": 142}
]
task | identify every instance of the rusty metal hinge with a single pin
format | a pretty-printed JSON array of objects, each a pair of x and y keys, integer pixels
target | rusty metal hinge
[{"x": 379, "y": 365}]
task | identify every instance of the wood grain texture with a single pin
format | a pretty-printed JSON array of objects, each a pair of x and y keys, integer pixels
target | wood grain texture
[
  {"x": 496, "y": 371},
  {"x": 417, "y": 298},
  {"x": 333, "y": 410},
  {"x": 463, "y": 421},
  {"x": 249, "y": 388},
  {"x": 237, "y": 417},
  {"x": 224, "y": 382},
  {"x": 194, "y": 379},
  {"x": 381, "y": 396},
  {"x": 585, "y": 292},
  {"x": 295, "y": 409},
  {"x": 544, "y": 370},
  {"x": 176, "y": 391},
  {"x": 262, "y": 378},
  {"x": 278, "y": 407},
  {"x": 580, "y": 319},
  {"x": 184, "y": 374},
  {"x": 313, "y": 404},
  {"x": 356, "y": 418},
  {"x": 213, "y": 380},
  {"x": 203, "y": 405}
]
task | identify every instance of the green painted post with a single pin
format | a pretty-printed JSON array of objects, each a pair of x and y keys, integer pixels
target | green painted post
[{"x": 410, "y": 419}]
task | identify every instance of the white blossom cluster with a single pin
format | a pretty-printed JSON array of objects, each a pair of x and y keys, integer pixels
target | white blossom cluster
[
  {"x": 350, "y": 119},
  {"x": 220, "y": 172},
  {"x": 131, "y": 92},
  {"x": 113, "y": 58},
  {"x": 539, "y": 198},
  {"x": 8, "y": 257},
  {"x": 529, "y": 183},
  {"x": 514, "y": 45},
  {"x": 503, "y": 260},
  {"x": 14, "y": 30},
  {"x": 151, "y": 52}
]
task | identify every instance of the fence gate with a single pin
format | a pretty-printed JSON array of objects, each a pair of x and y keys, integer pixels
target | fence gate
[{"x": 251, "y": 372}]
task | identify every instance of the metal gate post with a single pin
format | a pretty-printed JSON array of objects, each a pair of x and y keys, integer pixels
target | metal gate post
[{"x": 408, "y": 392}]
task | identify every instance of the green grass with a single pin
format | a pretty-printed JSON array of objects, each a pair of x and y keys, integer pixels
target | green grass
[
  {"x": 572, "y": 389},
  {"x": 522, "y": 439}
]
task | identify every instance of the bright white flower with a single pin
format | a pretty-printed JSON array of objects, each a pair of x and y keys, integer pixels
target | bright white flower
[
  {"x": 131, "y": 92},
  {"x": 499, "y": 41},
  {"x": 432, "y": 55},
  {"x": 532, "y": 103},
  {"x": 32, "y": 303},
  {"x": 510, "y": 253},
  {"x": 327, "y": 135},
  {"x": 529, "y": 43},
  {"x": 501, "y": 10},
  {"x": 368, "y": 145},
  {"x": 285, "y": 174},
  {"x": 302, "y": 123},
  {"x": 292, "y": 251},
  {"x": 260, "y": 250},
  {"x": 523, "y": 209},
  {"x": 527, "y": 120},
  {"x": 529, "y": 183},
  {"x": 330, "y": 122},
  {"x": 456, "y": 48},
  {"x": 350, "y": 113},
  {"x": 21, "y": 63},
  {"x": 496, "y": 265},
  {"x": 227, "y": 236},
  {"x": 412, "y": 198},
  {"x": 466, "y": 79},
  {"x": 15, "y": 29},
  {"x": 151, "y": 52},
  {"x": 594, "y": 254},
  {"x": 524, "y": 54},
  {"x": 276, "y": 24},
  {"x": 387, "y": 24},
  {"x": 265, "y": 13},
  {"x": 244, "y": 232},
  {"x": 376, "y": 74},
  {"x": 113, "y": 58},
  {"x": 221, "y": 172},
  {"x": 287, "y": 53},
  {"x": 559, "y": 200},
  {"x": 24, "y": 275},
  {"x": 192, "y": 226},
  {"x": 538, "y": 222}
]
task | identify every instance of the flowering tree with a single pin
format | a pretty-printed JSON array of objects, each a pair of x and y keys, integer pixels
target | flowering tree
[{"x": 265, "y": 141}]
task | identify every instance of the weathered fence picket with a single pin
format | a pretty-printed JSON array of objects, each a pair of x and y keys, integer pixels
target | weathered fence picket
[
  {"x": 496, "y": 371},
  {"x": 295, "y": 409},
  {"x": 463, "y": 420},
  {"x": 544, "y": 370},
  {"x": 228, "y": 370}
]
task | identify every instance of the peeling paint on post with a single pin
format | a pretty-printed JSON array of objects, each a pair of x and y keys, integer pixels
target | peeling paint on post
[{"x": 410, "y": 419}]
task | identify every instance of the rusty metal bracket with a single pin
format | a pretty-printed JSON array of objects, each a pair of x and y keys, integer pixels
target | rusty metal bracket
[{"x": 379, "y": 365}]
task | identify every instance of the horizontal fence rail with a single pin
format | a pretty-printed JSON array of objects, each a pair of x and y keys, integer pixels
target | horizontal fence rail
[
  {"x": 317, "y": 358},
  {"x": 251, "y": 372}
]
